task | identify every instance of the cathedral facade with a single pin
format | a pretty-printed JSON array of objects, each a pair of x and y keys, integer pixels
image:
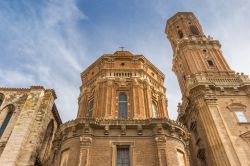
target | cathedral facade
[{"x": 122, "y": 118}]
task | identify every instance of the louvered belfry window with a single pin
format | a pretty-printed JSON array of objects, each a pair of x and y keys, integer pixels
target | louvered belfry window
[
  {"x": 194, "y": 30},
  {"x": 123, "y": 106},
  {"x": 180, "y": 33},
  {"x": 122, "y": 156}
]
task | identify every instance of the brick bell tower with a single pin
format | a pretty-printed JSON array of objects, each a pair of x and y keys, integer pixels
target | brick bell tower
[{"x": 215, "y": 100}]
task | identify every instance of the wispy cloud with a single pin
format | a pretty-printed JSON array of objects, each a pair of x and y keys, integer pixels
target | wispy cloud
[
  {"x": 224, "y": 20},
  {"x": 42, "y": 44},
  {"x": 48, "y": 42}
]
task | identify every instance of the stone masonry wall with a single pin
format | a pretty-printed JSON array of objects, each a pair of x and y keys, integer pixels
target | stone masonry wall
[{"x": 23, "y": 135}]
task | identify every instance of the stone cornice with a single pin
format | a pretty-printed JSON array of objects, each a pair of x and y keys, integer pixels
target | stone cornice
[
  {"x": 97, "y": 78},
  {"x": 28, "y": 89},
  {"x": 220, "y": 79},
  {"x": 193, "y": 41},
  {"x": 126, "y": 128},
  {"x": 117, "y": 122},
  {"x": 14, "y": 89}
]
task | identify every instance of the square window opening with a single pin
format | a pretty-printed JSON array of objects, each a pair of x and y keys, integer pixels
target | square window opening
[
  {"x": 210, "y": 63},
  {"x": 122, "y": 156},
  {"x": 241, "y": 116}
]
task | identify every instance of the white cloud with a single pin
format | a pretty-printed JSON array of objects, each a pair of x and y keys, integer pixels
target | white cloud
[
  {"x": 12, "y": 78},
  {"x": 45, "y": 47}
]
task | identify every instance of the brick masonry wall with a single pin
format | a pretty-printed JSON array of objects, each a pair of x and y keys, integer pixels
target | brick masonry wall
[{"x": 97, "y": 149}]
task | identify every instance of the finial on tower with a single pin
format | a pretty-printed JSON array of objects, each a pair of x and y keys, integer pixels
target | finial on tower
[{"x": 122, "y": 48}]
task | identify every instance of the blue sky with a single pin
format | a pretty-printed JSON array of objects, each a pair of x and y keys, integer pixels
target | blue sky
[{"x": 50, "y": 42}]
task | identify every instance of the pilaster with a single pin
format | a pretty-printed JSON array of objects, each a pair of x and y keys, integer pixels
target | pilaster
[
  {"x": 161, "y": 150},
  {"x": 85, "y": 144}
]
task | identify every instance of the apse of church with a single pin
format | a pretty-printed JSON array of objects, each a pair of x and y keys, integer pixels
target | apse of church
[
  {"x": 123, "y": 86},
  {"x": 122, "y": 118}
]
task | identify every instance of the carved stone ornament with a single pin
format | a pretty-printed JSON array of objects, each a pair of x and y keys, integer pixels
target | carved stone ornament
[
  {"x": 172, "y": 130},
  {"x": 85, "y": 141},
  {"x": 160, "y": 139},
  {"x": 86, "y": 128},
  {"x": 123, "y": 130},
  {"x": 139, "y": 129},
  {"x": 106, "y": 130},
  {"x": 246, "y": 136},
  {"x": 159, "y": 128}
]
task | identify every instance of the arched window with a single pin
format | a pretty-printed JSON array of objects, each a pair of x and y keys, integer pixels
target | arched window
[
  {"x": 194, "y": 30},
  {"x": 47, "y": 141},
  {"x": 64, "y": 161},
  {"x": 154, "y": 110},
  {"x": 181, "y": 158},
  {"x": 90, "y": 108},
  {"x": 180, "y": 33},
  {"x": 201, "y": 155},
  {"x": 7, "y": 119},
  {"x": 123, "y": 105},
  {"x": 1, "y": 99}
]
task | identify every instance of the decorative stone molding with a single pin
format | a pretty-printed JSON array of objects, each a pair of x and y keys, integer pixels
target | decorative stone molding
[
  {"x": 159, "y": 128},
  {"x": 106, "y": 130},
  {"x": 85, "y": 141},
  {"x": 139, "y": 130},
  {"x": 86, "y": 128},
  {"x": 2, "y": 144},
  {"x": 123, "y": 129},
  {"x": 246, "y": 137},
  {"x": 160, "y": 139},
  {"x": 172, "y": 130},
  {"x": 236, "y": 106}
]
